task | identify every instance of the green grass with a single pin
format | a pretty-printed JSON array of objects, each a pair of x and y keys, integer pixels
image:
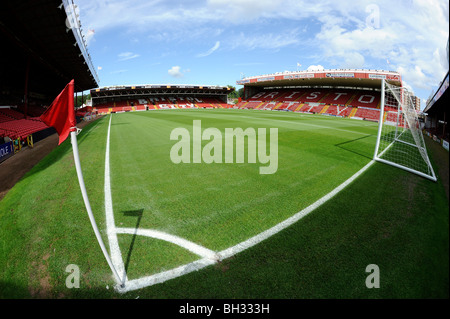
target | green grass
[
  {"x": 387, "y": 217},
  {"x": 394, "y": 150},
  {"x": 230, "y": 201}
]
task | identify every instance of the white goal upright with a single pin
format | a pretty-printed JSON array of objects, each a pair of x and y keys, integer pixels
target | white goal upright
[{"x": 400, "y": 140}]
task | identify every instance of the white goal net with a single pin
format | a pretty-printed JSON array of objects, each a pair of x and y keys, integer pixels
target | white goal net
[{"x": 400, "y": 141}]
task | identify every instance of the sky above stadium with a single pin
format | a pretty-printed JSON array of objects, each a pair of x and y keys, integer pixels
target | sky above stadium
[{"x": 217, "y": 42}]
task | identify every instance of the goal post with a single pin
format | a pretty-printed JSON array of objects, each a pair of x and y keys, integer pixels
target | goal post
[{"x": 400, "y": 140}]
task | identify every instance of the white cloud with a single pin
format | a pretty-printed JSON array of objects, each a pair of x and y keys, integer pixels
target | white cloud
[
  {"x": 408, "y": 87},
  {"x": 315, "y": 68},
  {"x": 175, "y": 72},
  {"x": 135, "y": 16},
  {"x": 239, "y": 10},
  {"x": 354, "y": 60},
  {"x": 347, "y": 48},
  {"x": 118, "y": 71},
  {"x": 210, "y": 51},
  {"x": 127, "y": 56},
  {"x": 144, "y": 15},
  {"x": 89, "y": 37},
  {"x": 248, "y": 63},
  {"x": 264, "y": 40},
  {"x": 412, "y": 35},
  {"x": 415, "y": 76}
]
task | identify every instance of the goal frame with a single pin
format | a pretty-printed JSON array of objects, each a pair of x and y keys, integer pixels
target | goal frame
[{"x": 377, "y": 157}]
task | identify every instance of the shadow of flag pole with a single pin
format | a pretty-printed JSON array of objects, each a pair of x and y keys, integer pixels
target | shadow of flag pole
[{"x": 61, "y": 115}]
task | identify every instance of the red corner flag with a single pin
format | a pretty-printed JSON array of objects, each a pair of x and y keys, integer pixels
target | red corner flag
[{"x": 61, "y": 114}]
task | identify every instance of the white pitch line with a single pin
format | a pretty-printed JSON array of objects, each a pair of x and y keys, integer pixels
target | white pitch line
[
  {"x": 290, "y": 221},
  {"x": 116, "y": 255},
  {"x": 166, "y": 275},
  {"x": 188, "y": 245}
]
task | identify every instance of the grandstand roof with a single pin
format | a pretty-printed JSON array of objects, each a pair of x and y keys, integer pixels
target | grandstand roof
[
  {"x": 35, "y": 37},
  {"x": 439, "y": 99},
  {"x": 335, "y": 77}
]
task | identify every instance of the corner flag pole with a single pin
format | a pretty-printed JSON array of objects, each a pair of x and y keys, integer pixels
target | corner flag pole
[
  {"x": 73, "y": 135},
  {"x": 61, "y": 116}
]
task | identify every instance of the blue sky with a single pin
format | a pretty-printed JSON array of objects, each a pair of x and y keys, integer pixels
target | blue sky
[{"x": 215, "y": 42}]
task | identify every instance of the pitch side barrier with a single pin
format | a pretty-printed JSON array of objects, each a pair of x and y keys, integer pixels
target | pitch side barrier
[{"x": 6, "y": 151}]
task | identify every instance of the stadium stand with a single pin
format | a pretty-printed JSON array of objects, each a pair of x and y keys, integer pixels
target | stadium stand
[
  {"x": 9, "y": 114},
  {"x": 156, "y": 97},
  {"x": 21, "y": 128},
  {"x": 352, "y": 93},
  {"x": 14, "y": 125},
  {"x": 366, "y": 99},
  {"x": 362, "y": 104},
  {"x": 313, "y": 95},
  {"x": 337, "y": 97},
  {"x": 367, "y": 113}
]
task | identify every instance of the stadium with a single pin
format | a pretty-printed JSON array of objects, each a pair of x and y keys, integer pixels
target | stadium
[{"x": 313, "y": 184}]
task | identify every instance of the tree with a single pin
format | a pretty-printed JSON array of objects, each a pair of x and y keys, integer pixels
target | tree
[
  {"x": 82, "y": 99},
  {"x": 236, "y": 93}
]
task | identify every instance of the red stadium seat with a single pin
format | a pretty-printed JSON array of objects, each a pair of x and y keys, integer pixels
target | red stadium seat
[{"x": 21, "y": 128}]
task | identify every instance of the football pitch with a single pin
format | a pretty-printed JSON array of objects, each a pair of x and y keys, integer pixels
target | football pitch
[{"x": 223, "y": 230}]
